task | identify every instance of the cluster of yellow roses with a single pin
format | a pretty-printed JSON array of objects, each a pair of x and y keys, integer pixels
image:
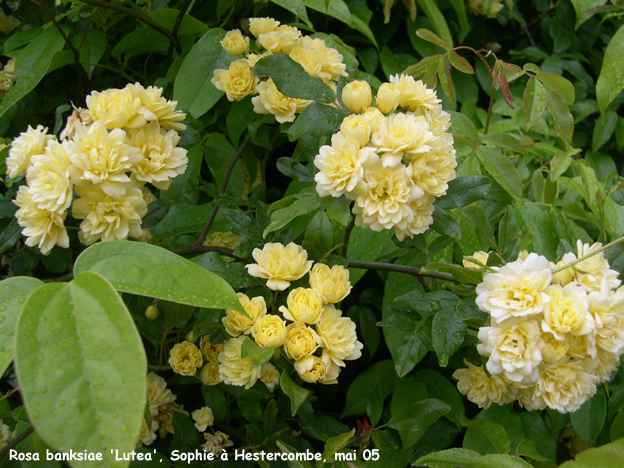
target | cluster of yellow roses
[
  {"x": 318, "y": 353},
  {"x": 392, "y": 166},
  {"x": 555, "y": 332},
  {"x": 239, "y": 81},
  {"x": 125, "y": 139}
]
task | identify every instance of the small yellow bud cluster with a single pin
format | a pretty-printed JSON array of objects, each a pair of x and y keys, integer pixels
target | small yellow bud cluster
[
  {"x": 552, "y": 337},
  {"x": 239, "y": 81},
  {"x": 125, "y": 139},
  {"x": 477, "y": 7},
  {"x": 392, "y": 166}
]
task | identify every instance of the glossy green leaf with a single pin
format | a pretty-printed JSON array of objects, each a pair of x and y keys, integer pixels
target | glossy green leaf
[
  {"x": 31, "y": 65},
  {"x": 446, "y": 458},
  {"x": 296, "y": 7},
  {"x": 292, "y": 80},
  {"x": 463, "y": 126},
  {"x": 559, "y": 84},
  {"x": 611, "y": 79},
  {"x": 91, "y": 49},
  {"x": 13, "y": 294},
  {"x": 584, "y": 9},
  {"x": 296, "y": 393},
  {"x": 493, "y": 431},
  {"x": 365, "y": 245},
  {"x": 526, "y": 448},
  {"x": 301, "y": 206},
  {"x": 534, "y": 102},
  {"x": 447, "y": 333},
  {"x": 334, "y": 444},
  {"x": 418, "y": 417},
  {"x": 588, "y": 420},
  {"x": 362, "y": 387},
  {"x": 254, "y": 352},
  {"x": 502, "y": 170},
  {"x": 436, "y": 17},
  {"x": 604, "y": 128},
  {"x": 463, "y": 191},
  {"x": 608, "y": 455},
  {"x": 316, "y": 120},
  {"x": 80, "y": 359},
  {"x": 182, "y": 219},
  {"x": 444, "y": 223},
  {"x": 148, "y": 270}
]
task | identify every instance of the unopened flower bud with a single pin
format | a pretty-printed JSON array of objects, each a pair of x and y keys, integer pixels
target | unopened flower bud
[
  {"x": 235, "y": 43},
  {"x": 357, "y": 96},
  {"x": 191, "y": 337},
  {"x": 388, "y": 98},
  {"x": 152, "y": 312}
]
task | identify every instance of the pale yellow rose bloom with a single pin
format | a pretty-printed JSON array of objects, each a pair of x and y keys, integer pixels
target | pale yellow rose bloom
[
  {"x": 388, "y": 97},
  {"x": 203, "y": 418},
  {"x": 435, "y": 168},
  {"x": 147, "y": 435},
  {"x": 304, "y": 305},
  {"x": 356, "y": 127},
  {"x": 269, "y": 375},
  {"x": 29, "y": 143},
  {"x": 237, "y": 82},
  {"x": 185, "y": 358},
  {"x": 5, "y": 434},
  {"x": 270, "y": 100},
  {"x": 155, "y": 108},
  {"x": 565, "y": 387},
  {"x": 481, "y": 389},
  {"x": 234, "y": 369},
  {"x": 422, "y": 209},
  {"x": 254, "y": 58},
  {"x": 608, "y": 314},
  {"x": 402, "y": 135},
  {"x": 158, "y": 395},
  {"x": 48, "y": 178},
  {"x": 209, "y": 374},
  {"x": 236, "y": 323},
  {"x": 477, "y": 7},
  {"x": 300, "y": 341},
  {"x": 374, "y": 117},
  {"x": 607, "y": 363},
  {"x": 565, "y": 276},
  {"x": 228, "y": 240},
  {"x": 116, "y": 108},
  {"x": 259, "y": 26},
  {"x": 567, "y": 312},
  {"x": 79, "y": 117},
  {"x": 279, "y": 264},
  {"x": 269, "y": 331},
  {"x": 310, "y": 58},
  {"x": 310, "y": 368},
  {"x": 235, "y": 43},
  {"x": 338, "y": 336},
  {"x": 480, "y": 256},
  {"x": 357, "y": 96},
  {"x": 209, "y": 350},
  {"x": 332, "y": 283},
  {"x": 553, "y": 349},
  {"x": 414, "y": 94},
  {"x": 281, "y": 39}
]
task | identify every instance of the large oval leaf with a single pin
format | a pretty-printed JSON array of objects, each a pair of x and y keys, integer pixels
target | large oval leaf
[
  {"x": 611, "y": 79},
  {"x": 81, "y": 367},
  {"x": 13, "y": 294},
  {"x": 148, "y": 270}
]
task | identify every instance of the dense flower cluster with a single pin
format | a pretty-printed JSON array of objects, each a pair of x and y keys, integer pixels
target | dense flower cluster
[
  {"x": 310, "y": 330},
  {"x": 555, "y": 331},
  {"x": 392, "y": 166},
  {"x": 125, "y": 139},
  {"x": 239, "y": 81}
]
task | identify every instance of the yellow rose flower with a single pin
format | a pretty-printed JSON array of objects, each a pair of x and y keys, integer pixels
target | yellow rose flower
[
  {"x": 147, "y": 435},
  {"x": 234, "y": 369},
  {"x": 116, "y": 108},
  {"x": 565, "y": 276},
  {"x": 269, "y": 375},
  {"x": 203, "y": 418},
  {"x": 374, "y": 117},
  {"x": 338, "y": 336},
  {"x": 304, "y": 305},
  {"x": 269, "y": 331},
  {"x": 567, "y": 312},
  {"x": 209, "y": 350},
  {"x": 309, "y": 57},
  {"x": 388, "y": 97},
  {"x": 185, "y": 358},
  {"x": 237, "y": 82},
  {"x": 236, "y": 323},
  {"x": 356, "y": 127},
  {"x": 310, "y": 368},
  {"x": 401, "y": 135},
  {"x": 607, "y": 363},
  {"x": 158, "y": 395},
  {"x": 435, "y": 168},
  {"x": 300, "y": 341},
  {"x": 42, "y": 228},
  {"x": 608, "y": 314},
  {"x": 155, "y": 108},
  {"x": 479, "y": 255},
  {"x": 259, "y": 26},
  {"x": 357, "y": 96},
  {"x": 48, "y": 178},
  {"x": 415, "y": 95},
  {"x": 228, "y": 240},
  {"x": 279, "y": 264},
  {"x": 333, "y": 284},
  {"x": 252, "y": 59},
  {"x": 31, "y": 142},
  {"x": 108, "y": 218},
  {"x": 209, "y": 374},
  {"x": 271, "y": 101},
  {"x": 581, "y": 346},
  {"x": 422, "y": 211},
  {"x": 565, "y": 387},
  {"x": 482, "y": 389},
  {"x": 553, "y": 349},
  {"x": 235, "y": 43},
  {"x": 594, "y": 273},
  {"x": 5, "y": 434},
  {"x": 281, "y": 39}
]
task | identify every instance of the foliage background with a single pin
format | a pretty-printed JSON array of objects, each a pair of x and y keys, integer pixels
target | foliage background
[{"x": 538, "y": 189}]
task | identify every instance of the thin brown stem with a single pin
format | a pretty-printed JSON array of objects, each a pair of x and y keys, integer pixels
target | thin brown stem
[
  {"x": 224, "y": 184},
  {"x": 138, "y": 15},
  {"x": 15, "y": 442},
  {"x": 347, "y": 234},
  {"x": 176, "y": 27},
  {"x": 75, "y": 51},
  {"x": 401, "y": 269},
  {"x": 191, "y": 249}
]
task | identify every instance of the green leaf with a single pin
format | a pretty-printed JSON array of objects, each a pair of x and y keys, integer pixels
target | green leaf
[
  {"x": 193, "y": 88},
  {"x": 559, "y": 84},
  {"x": 526, "y": 448},
  {"x": 234, "y": 273},
  {"x": 502, "y": 170},
  {"x": 31, "y": 65},
  {"x": 418, "y": 417},
  {"x": 13, "y": 294},
  {"x": 616, "y": 430},
  {"x": 301, "y": 206},
  {"x": 79, "y": 358},
  {"x": 182, "y": 219},
  {"x": 240, "y": 115},
  {"x": 604, "y": 129},
  {"x": 534, "y": 102},
  {"x": 543, "y": 231},
  {"x": 254, "y": 352},
  {"x": 611, "y": 79},
  {"x": 608, "y": 455},
  {"x": 446, "y": 458},
  {"x": 10, "y": 236},
  {"x": 460, "y": 63},
  {"x": 463, "y": 126},
  {"x": 183, "y": 188},
  {"x": 559, "y": 164},
  {"x": 148, "y": 270},
  {"x": 582, "y": 7},
  {"x": 295, "y": 463},
  {"x": 366, "y": 245},
  {"x": 436, "y": 17},
  {"x": 588, "y": 420},
  {"x": 334, "y": 444},
  {"x": 503, "y": 140},
  {"x": 317, "y": 120},
  {"x": 297, "y": 394},
  {"x": 296, "y": 7},
  {"x": 441, "y": 388},
  {"x": 447, "y": 333},
  {"x": 292, "y": 80},
  {"x": 463, "y": 191},
  {"x": 460, "y": 9},
  {"x": 91, "y": 50},
  {"x": 494, "y": 432},
  {"x": 444, "y": 223},
  {"x": 362, "y": 388},
  {"x": 465, "y": 275},
  {"x": 428, "y": 36},
  {"x": 563, "y": 121}
]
